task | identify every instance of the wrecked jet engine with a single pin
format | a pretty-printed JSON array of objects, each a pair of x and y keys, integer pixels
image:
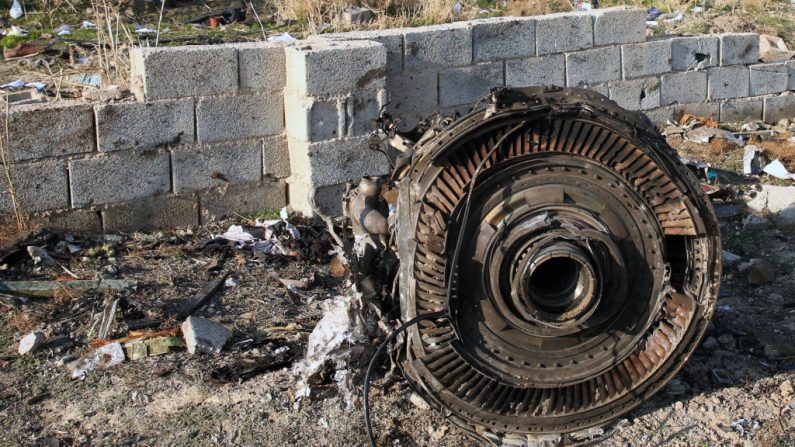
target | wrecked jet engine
[{"x": 569, "y": 262}]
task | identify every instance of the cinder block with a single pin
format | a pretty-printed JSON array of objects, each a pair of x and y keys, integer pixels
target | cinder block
[
  {"x": 791, "y": 71},
  {"x": 119, "y": 177},
  {"x": 683, "y": 87},
  {"x": 536, "y": 71},
  {"x": 558, "y": 33},
  {"x": 336, "y": 161},
  {"x": 322, "y": 67},
  {"x": 602, "y": 89},
  {"x": 328, "y": 199},
  {"x": 39, "y": 186},
  {"x": 261, "y": 66},
  {"x": 142, "y": 125},
  {"x": 275, "y": 157},
  {"x": 392, "y": 39},
  {"x": 739, "y": 48},
  {"x": 503, "y": 38},
  {"x": 202, "y": 167},
  {"x": 660, "y": 115},
  {"x": 768, "y": 79},
  {"x": 177, "y": 72},
  {"x": 85, "y": 220},
  {"x": 694, "y": 53},
  {"x": 313, "y": 120},
  {"x": 412, "y": 97},
  {"x": 618, "y": 25},
  {"x": 778, "y": 108},
  {"x": 233, "y": 117},
  {"x": 152, "y": 214},
  {"x": 648, "y": 58},
  {"x": 362, "y": 111},
  {"x": 728, "y": 82},
  {"x": 466, "y": 85},
  {"x": 217, "y": 203},
  {"x": 706, "y": 109},
  {"x": 50, "y": 130},
  {"x": 741, "y": 110},
  {"x": 593, "y": 66},
  {"x": 437, "y": 47},
  {"x": 637, "y": 94}
]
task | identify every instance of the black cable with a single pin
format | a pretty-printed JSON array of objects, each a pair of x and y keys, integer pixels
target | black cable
[{"x": 367, "y": 423}]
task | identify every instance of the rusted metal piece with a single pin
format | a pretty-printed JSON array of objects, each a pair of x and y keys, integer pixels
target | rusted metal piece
[{"x": 578, "y": 261}]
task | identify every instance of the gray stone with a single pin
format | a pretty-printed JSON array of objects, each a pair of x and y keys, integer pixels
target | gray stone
[
  {"x": 362, "y": 112},
  {"x": 536, "y": 71},
  {"x": 710, "y": 343},
  {"x": 50, "y": 130},
  {"x": 760, "y": 272},
  {"x": 38, "y": 186},
  {"x": 144, "y": 125},
  {"x": 694, "y": 53},
  {"x": 226, "y": 118},
  {"x": 220, "y": 202},
  {"x": 660, "y": 115},
  {"x": 786, "y": 217},
  {"x": 558, "y": 33},
  {"x": 177, "y": 72},
  {"x": 119, "y": 177},
  {"x": 261, "y": 66},
  {"x": 768, "y": 78},
  {"x": 275, "y": 158},
  {"x": 779, "y": 198},
  {"x": 730, "y": 259},
  {"x": 85, "y": 220},
  {"x": 333, "y": 162},
  {"x": 322, "y": 67},
  {"x": 30, "y": 342},
  {"x": 637, "y": 94},
  {"x": 204, "y": 336},
  {"x": 437, "y": 47},
  {"x": 791, "y": 71},
  {"x": 391, "y": 38},
  {"x": 739, "y": 48},
  {"x": 754, "y": 222},
  {"x": 328, "y": 199},
  {"x": 741, "y": 110},
  {"x": 152, "y": 213},
  {"x": 200, "y": 167},
  {"x": 412, "y": 97},
  {"x": 593, "y": 66},
  {"x": 728, "y": 82},
  {"x": 618, "y": 25},
  {"x": 648, "y": 58},
  {"x": 683, "y": 88},
  {"x": 503, "y": 38},
  {"x": 468, "y": 84},
  {"x": 778, "y": 108},
  {"x": 314, "y": 120}
]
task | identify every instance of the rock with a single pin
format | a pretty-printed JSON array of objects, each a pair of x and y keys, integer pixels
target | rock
[
  {"x": 730, "y": 259},
  {"x": 679, "y": 406},
  {"x": 727, "y": 341},
  {"x": 775, "y": 298},
  {"x": 760, "y": 272},
  {"x": 786, "y": 218},
  {"x": 743, "y": 267},
  {"x": 785, "y": 388},
  {"x": 677, "y": 387},
  {"x": 755, "y": 222},
  {"x": 354, "y": 15},
  {"x": 418, "y": 401},
  {"x": 30, "y": 342},
  {"x": 202, "y": 335},
  {"x": 710, "y": 343}
]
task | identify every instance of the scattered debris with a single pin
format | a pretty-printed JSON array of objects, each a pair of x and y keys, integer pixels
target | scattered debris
[
  {"x": 751, "y": 162},
  {"x": 730, "y": 259},
  {"x": 140, "y": 349},
  {"x": 31, "y": 342},
  {"x": 101, "y": 358},
  {"x": 202, "y": 335},
  {"x": 46, "y": 289},
  {"x": 16, "y": 10},
  {"x": 235, "y": 12},
  {"x": 40, "y": 255},
  {"x": 777, "y": 169},
  {"x": 246, "y": 369},
  {"x": 295, "y": 283},
  {"x": 354, "y": 15},
  {"x": 285, "y": 37},
  {"x": 760, "y": 271}
]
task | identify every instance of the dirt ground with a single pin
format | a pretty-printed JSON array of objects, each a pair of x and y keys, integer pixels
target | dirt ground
[{"x": 736, "y": 390}]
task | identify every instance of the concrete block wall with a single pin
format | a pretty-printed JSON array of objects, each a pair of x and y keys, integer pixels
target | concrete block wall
[{"x": 242, "y": 127}]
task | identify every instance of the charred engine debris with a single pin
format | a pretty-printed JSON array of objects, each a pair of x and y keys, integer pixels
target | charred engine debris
[{"x": 567, "y": 263}]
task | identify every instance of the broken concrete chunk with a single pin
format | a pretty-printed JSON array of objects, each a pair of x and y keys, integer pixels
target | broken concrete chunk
[
  {"x": 760, "y": 272},
  {"x": 101, "y": 358},
  {"x": 30, "y": 342},
  {"x": 202, "y": 335},
  {"x": 730, "y": 259}
]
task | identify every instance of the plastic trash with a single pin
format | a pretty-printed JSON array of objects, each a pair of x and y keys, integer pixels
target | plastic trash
[
  {"x": 17, "y": 31},
  {"x": 584, "y": 6},
  {"x": 63, "y": 30},
  {"x": 16, "y": 10},
  {"x": 751, "y": 164},
  {"x": 19, "y": 83},
  {"x": 777, "y": 169},
  {"x": 86, "y": 24},
  {"x": 286, "y": 37}
]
